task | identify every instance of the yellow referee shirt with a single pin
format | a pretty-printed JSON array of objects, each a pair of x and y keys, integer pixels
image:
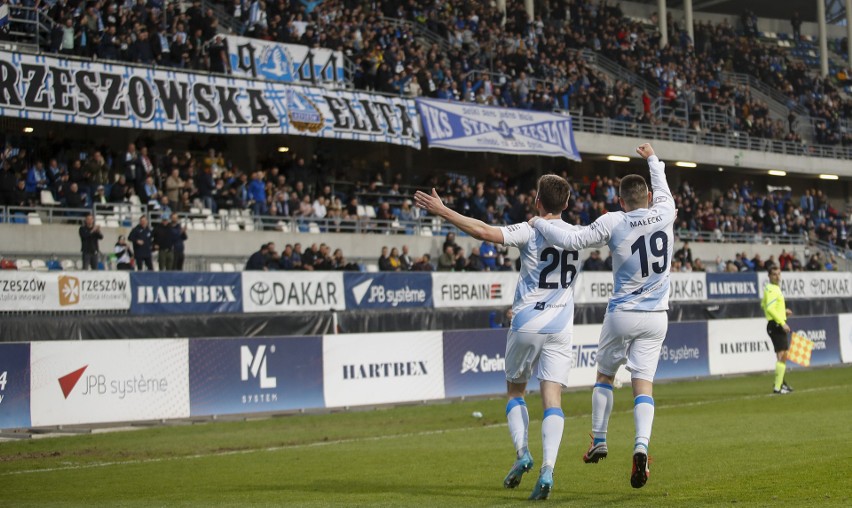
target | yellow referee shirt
[{"x": 773, "y": 304}]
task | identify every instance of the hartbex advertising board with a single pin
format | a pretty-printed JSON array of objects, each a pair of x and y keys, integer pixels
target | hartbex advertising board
[
  {"x": 739, "y": 345},
  {"x": 844, "y": 325},
  {"x": 185, "y": 293},
  {"x": 684, "y": 352},
  {"x": 803, "y": 285},
  {"x": 733, "y": 286},
  {"x": 101, "y": 381},
  {"x": 64, "y": 291},
  {"x": 597, "y": 287},
  {"x": 388, "y": 290},
  {"x": 484, "y": 289},
  {"x": 14, "y": 386},
  {"x": 365, "y": 368},
  {"x": 292, "y": 291},
  {"x": 823, "y": 331},
  {"x": 228, "y": 376}
]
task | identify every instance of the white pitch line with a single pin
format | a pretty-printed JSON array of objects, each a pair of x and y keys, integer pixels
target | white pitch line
[{"x": 372, "y": 438}]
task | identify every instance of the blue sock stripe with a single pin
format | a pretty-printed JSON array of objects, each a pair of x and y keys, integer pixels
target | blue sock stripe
[
  {"x": 603, "y": 385},
  {"x": 643, "y": 399},
  {"x": 517, "y": 401},
  {"x": 554, "y": 411}
]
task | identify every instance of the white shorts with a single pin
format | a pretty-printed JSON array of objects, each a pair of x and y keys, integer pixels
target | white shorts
[
  {"x": 634, "y": 338},
  {"x": 551, "y": 354}
]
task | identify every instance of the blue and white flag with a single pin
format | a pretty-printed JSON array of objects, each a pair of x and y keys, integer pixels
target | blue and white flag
[
  {"x": 473, "y": 128},
  {"x": 4, "y": 16}
]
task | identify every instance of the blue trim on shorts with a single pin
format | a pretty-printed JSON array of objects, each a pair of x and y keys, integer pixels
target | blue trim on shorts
[
  {"x": 643, "y": 399},
  {"x": 603, "y": 385},
  {"x": 553, "y": 411},
  {"x": 517, "y": 401}
]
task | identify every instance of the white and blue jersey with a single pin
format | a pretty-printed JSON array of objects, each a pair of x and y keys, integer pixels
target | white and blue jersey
[
  {"x": 641, "y": 242},
  {"x": 544, "y": 297}
]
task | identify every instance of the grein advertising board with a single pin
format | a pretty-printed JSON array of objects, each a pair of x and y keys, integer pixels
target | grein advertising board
[
  {"x": 14, "y": 386},
  {"x": 684, "y": 352},
  {"x": 75, "y": 382},
  {"x": 292, "y": 291},
  {"x": 388, "y": 290},
  {"x": 474, "y": 362},
  {"x": 365, "y": 368},
  {"x": 229, "y": 376},
  {"x": 186, "y": 293}
]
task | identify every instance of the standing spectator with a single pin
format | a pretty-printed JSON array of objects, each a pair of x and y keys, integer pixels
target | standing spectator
[
  {"x": 447, "y": 259},
  {"x": 796, "y": 24},
  {"x": 257, "y": 261},
  {"x": 174, "y": 184},
  {"x": 257, "y": 194},
  {"x": 164, "y": 244},
  {"x": 140, "y": 237},
  {"x": 123, "y": 254},
  {"x": 684, "y": 254},
  {"x": 89, "y": 236},
  {"x": 385, "y": 262},
  {"x": 488, "y": 254},
  {"x": 405, "y": 261},
  {"x": 179, "y": 238}
]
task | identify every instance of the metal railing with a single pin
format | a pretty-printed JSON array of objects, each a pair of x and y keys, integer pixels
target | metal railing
[
  {"x": 748, "y": 238},
  {"x": 617, "y": 71},
  {"x": 772, "y": 96},
  {"x": 419, "y": 31},
  {"x": 227, "y": 23},
  {"x": 736, "y": 140},
  {"x": 29, "y": 28}
]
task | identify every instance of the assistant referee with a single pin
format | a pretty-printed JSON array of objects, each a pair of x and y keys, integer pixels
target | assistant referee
[{"x": 777, "y": 328}]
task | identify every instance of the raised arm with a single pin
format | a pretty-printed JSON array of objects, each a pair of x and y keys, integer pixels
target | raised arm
[
  {"x": 657, "y": 168},
  {"x": 474, "y": 227},
  {"x": 596, "y": 234}
]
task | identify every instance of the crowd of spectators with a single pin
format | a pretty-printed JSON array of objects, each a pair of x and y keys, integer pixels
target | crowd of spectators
[
  {"x": 317, "y": 257},
  {"x": 486, "y": 56}
]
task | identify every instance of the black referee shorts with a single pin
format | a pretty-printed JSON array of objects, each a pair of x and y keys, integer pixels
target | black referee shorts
[{"x": 778, "y": 335}]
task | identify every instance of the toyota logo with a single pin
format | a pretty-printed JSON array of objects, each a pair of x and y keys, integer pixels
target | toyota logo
[{"x": 260, "y": 293}]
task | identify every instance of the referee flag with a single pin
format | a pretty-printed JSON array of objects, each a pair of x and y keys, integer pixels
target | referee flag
[{"x": 800, "y": 350}]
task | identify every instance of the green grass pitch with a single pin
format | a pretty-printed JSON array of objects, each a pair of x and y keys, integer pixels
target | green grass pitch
[{"x": 720, "y": 442}]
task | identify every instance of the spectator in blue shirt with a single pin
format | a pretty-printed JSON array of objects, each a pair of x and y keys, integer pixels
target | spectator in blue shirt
[{"x": 257, "y": 194}]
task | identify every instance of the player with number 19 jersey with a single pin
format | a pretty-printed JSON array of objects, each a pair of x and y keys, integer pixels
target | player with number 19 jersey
[
  {"x": 544, "y": 297},
  {"x": 641, "y": 243}
]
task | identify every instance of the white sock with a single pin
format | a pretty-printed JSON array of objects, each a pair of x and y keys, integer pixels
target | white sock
[
  {"x": 519, "y": 423},
  {"x": 643, "y": 416},
  {"x": 551, "y": 434},
  {"x": 601, "y": 409}
]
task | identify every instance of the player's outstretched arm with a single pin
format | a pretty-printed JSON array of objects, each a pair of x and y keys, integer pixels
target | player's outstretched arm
[
  {"x": 476, "y": 228},
  {"x": 657, "y": 168},
  {"x": 595, "y": 235}
]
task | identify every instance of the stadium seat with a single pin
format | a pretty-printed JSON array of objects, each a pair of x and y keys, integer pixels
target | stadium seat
[
  {"x": 215, "y": 267},
  {"x": 67, "y": 264},
  {"x": 19, "y": 218},
  {"x": 206, "y": 212},
  {"x": 211, "y": 226},
  {"x": 361, "y": 211},
  {"x": 23, "y": 265},
  {"x": 370, "y": 212},
  {"x": 233, "y": 226},
  {"x": 54, "y": 265},
  {"x": 372, "y": 267},
  {"x": 195, "y": 211},
  {"x": 34, "y": 219},
  {"x": 47, "y": 198},
  {"x": 38, "y": 265},
  {"x": 249, "y": 225},
  {"x": 229, "y": 267},
  {"x": 425, "y": 231},
  {"x": 112, "y": 222},
  {"x": 78, "y": 264},
  {"x": 313, "y": 227}
]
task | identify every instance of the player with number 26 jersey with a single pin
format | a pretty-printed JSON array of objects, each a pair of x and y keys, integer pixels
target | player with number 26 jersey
[{"x": 544, "y": 297}]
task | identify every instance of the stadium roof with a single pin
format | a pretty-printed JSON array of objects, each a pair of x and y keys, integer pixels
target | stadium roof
[{"x": 778, "y": 9}]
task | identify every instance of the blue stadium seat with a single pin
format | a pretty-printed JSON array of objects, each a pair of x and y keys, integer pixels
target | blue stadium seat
[
  {"x": 54, "y": 264},
  {"x": 19, "y": 218}
]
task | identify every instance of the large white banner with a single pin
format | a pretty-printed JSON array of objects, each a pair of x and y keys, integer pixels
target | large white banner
[
  {"x": 382, "y": 368},
  {"x": 290, "y": 63},
  {"x": 292, "y": 291},
  {"x": 108, "y": 381},
  {"x": 803, "y": 285},
  {"x": 597, "y": 287},
  {"x": 64, "y": 291},
  {"x": 86, "y": 93},
  {"x": 472, "y": 128},
  {"x": 739, "y": 345},
  {"x": 481, "y": 289},
  {"x": 845, "y": 329}
]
